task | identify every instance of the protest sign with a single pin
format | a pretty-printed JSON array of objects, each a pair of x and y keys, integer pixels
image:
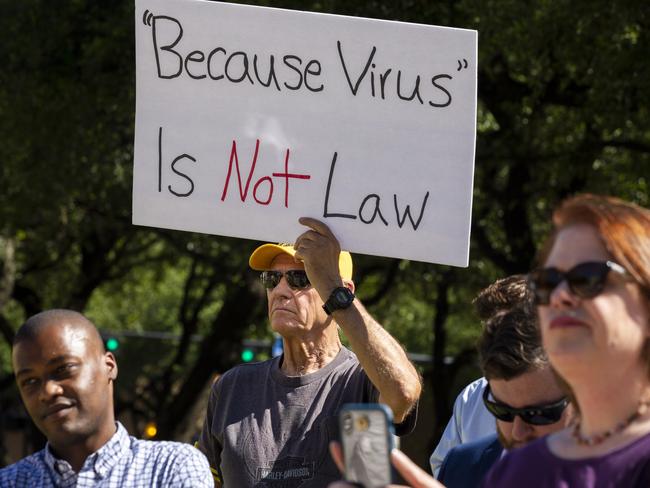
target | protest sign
[{"x": 250, "y": 117}]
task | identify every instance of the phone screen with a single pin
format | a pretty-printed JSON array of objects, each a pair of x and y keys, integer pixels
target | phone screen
[{"x": 367, "y": 439}]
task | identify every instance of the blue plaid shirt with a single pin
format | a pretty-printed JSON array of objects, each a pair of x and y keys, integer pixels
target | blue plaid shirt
[{"x": 123, "y": 461}]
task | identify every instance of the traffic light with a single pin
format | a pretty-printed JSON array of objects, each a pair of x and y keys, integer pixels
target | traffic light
[
  {"x": 247, "y": 355},
  {"x": 150, "y": 430},
  {"x": 255, "y": 350},
  {"x": 112, "y": 344}
]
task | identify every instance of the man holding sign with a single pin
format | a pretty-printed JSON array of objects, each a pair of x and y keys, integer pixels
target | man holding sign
[{"x": 270, "y": 423}]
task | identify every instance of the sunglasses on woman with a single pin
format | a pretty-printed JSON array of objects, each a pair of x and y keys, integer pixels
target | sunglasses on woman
[
  {"x": 296, "y": 279},
  {"x": 585, "y": 280},
  {"x": 537, "y": 415}
]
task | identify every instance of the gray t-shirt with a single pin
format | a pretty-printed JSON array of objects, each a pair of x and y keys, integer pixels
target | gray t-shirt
[{"x": 266, "y": 429}]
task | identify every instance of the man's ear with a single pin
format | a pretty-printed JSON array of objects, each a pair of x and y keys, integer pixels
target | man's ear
[
  {"x": 111, "y": 365},
  {"x": 349, "y": 285}
]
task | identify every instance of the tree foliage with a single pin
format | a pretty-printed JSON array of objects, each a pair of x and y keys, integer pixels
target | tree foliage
[{"x": 563, "y": 108}]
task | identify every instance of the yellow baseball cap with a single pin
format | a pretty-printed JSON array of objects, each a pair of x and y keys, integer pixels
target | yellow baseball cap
[{"x": 263, "y": 257}]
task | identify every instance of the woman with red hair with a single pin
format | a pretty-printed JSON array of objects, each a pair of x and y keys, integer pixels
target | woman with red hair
[{"x": 593, "y": 297}]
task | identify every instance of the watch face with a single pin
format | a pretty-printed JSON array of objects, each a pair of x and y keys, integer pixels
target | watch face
[{"x": 341, "y": 296}]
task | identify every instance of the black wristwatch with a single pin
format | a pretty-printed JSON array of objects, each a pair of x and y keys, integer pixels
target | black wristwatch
[{"x": 340, "y": 298}]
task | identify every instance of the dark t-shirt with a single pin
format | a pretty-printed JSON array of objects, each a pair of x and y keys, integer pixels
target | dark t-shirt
[
  {"x": 535, "y": 465},
  {"x": 266, "y": 429}
]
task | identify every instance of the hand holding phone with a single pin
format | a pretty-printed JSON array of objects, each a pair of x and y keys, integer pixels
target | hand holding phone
[
  {"x": 367, "y": 438},
  {"x": 415, "y": 476}
]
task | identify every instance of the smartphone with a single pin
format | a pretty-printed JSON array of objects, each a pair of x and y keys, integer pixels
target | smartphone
[{"x": 367, "y": 438}]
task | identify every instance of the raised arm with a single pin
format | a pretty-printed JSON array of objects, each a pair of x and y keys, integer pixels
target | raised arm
[{"x": 380, "y": 355}]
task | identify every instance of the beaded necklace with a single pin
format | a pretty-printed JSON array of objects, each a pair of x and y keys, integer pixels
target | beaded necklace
[{"x": 596, "y": 439}]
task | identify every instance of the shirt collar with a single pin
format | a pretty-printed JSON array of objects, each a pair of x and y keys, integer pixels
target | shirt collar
[
  {"x": 111, "y": 452},
  {"x": 101, "y": 461}
]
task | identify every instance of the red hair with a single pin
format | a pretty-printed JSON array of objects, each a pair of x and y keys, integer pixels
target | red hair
[{"x": 623, "y": 227}]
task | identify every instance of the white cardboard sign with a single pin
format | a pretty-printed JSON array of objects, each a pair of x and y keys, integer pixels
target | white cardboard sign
[{"x": 250, "y": 117}]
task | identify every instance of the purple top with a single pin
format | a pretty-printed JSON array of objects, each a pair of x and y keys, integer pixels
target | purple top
[{"x": 535, "y": 465}]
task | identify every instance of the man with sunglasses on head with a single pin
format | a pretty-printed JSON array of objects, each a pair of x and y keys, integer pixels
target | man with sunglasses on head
[
  {"x": 270, "y": 423},
  {"x": 521, "y": 391}
]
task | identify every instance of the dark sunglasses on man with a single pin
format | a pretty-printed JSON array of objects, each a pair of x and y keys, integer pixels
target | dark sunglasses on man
[
  {"x": 296, "y": 279},
  {"x": 585, "y": 280},
  {"x": 536, "y": 415}
]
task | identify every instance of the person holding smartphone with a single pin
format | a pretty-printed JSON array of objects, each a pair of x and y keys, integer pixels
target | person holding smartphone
[
  {"x": 270, "y": 423},
  {"x": 521, "y": 396},
  {"x": 592, "y": 292},
  {"x": 415, "y": 476}
]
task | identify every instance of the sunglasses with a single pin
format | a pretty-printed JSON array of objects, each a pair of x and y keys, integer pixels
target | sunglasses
[
  {"x": 537, "y": 415},
  {"x": 296, "y": 279},
  {"x": 585, "y": 280}
]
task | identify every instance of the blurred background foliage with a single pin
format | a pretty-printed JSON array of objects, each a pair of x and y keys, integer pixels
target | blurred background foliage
[{"x": 563, "y": 108}]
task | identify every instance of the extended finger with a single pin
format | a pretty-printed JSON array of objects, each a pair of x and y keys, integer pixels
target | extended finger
[
  {"x": 317, "y": 225},
  {"x": 337, "y": 455},
  {"x": 412, "y": 473},
  {"x": 309, "y": 236},
  {"x": 307, "y": 240}
]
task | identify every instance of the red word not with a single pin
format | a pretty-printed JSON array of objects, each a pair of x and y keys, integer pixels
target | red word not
[{"x": 264, "y": 180}]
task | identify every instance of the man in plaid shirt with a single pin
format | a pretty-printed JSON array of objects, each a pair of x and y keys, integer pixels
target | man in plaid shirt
[{"x": 65, "y": 378}]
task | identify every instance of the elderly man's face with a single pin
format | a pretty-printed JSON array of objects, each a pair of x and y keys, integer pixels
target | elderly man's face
[
  {"x": 294, "y": 312},
  {"x": 65, "y": 381}
]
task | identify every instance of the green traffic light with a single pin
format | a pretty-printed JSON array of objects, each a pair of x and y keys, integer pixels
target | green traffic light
[
  {"x": 247, "y": 355},
  {"x": 112, "y": 344}
]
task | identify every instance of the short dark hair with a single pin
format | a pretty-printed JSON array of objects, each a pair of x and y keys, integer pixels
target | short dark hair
[
  {"x": 510, "y": 343},
  {"x": 34, "y": 324}
]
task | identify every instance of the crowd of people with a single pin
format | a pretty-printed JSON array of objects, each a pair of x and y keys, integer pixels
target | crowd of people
[{"x": 564, "y": 401}]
